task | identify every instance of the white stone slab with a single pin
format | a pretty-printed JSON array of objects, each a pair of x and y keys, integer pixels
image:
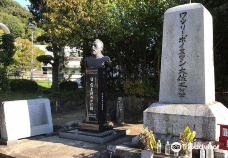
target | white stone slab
[
  {"x": 26, "y": 118},
  {"x": 147, "y": 154},
  {"x": 220, "y": 153},
  {"x": 171, "y": 119},
  {"x": 198, "y": 49}
]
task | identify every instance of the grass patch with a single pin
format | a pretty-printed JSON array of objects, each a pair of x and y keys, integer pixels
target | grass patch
[
  {"x": 43, "y": 83},
  {"x": 18, "y": 96}
]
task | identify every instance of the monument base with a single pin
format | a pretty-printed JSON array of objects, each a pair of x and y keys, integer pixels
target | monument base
[
  {"x": 99, "y": 138},
  {"x": 169, "y": 120},
  {"x": 8, "y": 142},
  {"x": 95, "y": 127}
]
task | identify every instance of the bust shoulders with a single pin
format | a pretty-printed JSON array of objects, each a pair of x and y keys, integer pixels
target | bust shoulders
[
  {"x": 106, "y": 58},
  {"x": 96, "y": 62}
]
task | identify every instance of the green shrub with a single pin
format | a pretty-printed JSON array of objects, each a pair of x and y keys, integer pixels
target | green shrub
[
  {"x": 68, "y": 86},
  {"x": 139, "y": 88},
  {"x": 23, "y": 86},
  {"x": 4, "y": 81}
]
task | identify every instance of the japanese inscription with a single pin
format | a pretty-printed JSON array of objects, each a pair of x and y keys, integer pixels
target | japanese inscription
[
  {"x": 182, "y": 73},
  {"x": 91, "y": 94},
  {"x": 102, "y": 101}
]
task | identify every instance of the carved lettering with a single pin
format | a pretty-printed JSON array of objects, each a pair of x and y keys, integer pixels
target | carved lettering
[
  {"x": 91, "y": 94},
  {"x": 183, "y": 75}
]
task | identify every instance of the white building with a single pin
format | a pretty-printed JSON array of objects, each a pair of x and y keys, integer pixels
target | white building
[{"x": 72, "y": 65}]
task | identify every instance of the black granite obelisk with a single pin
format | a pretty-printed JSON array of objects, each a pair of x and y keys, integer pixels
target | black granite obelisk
[
  {"x": 95, "y": 128},
  {"x": 96, "y": 85},
  {"x": 96, "y": 90}
]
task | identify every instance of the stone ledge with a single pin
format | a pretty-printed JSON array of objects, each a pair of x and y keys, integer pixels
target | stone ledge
[
  {"x": 218, "y": 153},
  {"x": 99, "y": 138},
  {"x": 170, "y": 120},
  {"x": 127, "y": 152}
]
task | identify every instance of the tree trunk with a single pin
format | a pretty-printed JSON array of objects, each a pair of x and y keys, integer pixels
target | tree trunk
[
  {"x": 55, "y": 69},
  {"x": 4, "y": 69}
]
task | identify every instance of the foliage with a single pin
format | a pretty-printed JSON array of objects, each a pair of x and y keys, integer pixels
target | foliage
[
  {"x": 7, "y": 50},
  {"x": 68, "y": 86},
  {"x": 139, "y": 88},
  {"x": 51, "y": 33},
  {"x": 219, "y": 11},
  {"x": 129, "y": 30},
  {"x": 22, "y": 56},
  {"x": 186, "y": 138},
  {"x": 10, "y": 96},
  {"x": 36, "y": 8},
  {"x": 68, "y": 100},
  {"x": 23, "y": 86},
  {"x": 13, "y": 8},
  {"x": 4, "y": 81},
  {"x": 45, "y": 59},
  {"x": 17, "y": 18},
  {"x": 14, "y": 24},
  {"x": 147, "y": 139},
  {"x": 66, "y": 22},
  {"x": 15, "y": 73}
]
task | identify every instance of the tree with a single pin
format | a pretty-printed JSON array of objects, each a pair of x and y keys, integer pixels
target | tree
[
  {"x": 59, "y": 30},
  {"x": 135, "y": 36},
  {"x": 219, "y": 11},
  {"x": 17, "y": 18},
  {"x": 7, "y": 50},
  {"x": 15, "y": 26},
  {"x": 36, "y": 8},
  {"x": 131, "y": 30},
  {"x": 22, "y": 57}
]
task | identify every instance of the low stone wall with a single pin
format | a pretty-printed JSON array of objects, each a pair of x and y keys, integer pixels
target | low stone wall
[
  {"x": 66, "y": 102},
  {"x": 133, "y": 108}
]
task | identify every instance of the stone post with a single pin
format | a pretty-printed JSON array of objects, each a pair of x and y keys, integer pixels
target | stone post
[{"x": 120, "y": 111}]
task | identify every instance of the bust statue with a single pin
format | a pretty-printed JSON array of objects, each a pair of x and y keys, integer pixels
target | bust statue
[{"x": 97, "y": 59}]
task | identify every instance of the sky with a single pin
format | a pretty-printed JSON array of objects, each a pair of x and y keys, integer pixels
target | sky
[{"x": 23, "y": 3}]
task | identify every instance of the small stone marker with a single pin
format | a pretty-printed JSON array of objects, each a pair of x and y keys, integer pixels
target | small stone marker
[
  {"x": 111, "y": 148},
  {"x": 120, "y": 111},
  {"x": 25, "y": 118}
]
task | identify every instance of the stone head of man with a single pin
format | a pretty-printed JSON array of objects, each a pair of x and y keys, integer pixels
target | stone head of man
[{"x": 97, "y": 48}]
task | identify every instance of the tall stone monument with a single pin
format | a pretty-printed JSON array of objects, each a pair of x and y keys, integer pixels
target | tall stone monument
[{"x": 187, "y": 88}]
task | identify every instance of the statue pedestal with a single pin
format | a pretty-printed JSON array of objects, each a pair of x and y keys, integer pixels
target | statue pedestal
[
  {"x": 169, "y": 120},
  {"x": 95, "y": 127},
  {"x": 96, "y": 102}
]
